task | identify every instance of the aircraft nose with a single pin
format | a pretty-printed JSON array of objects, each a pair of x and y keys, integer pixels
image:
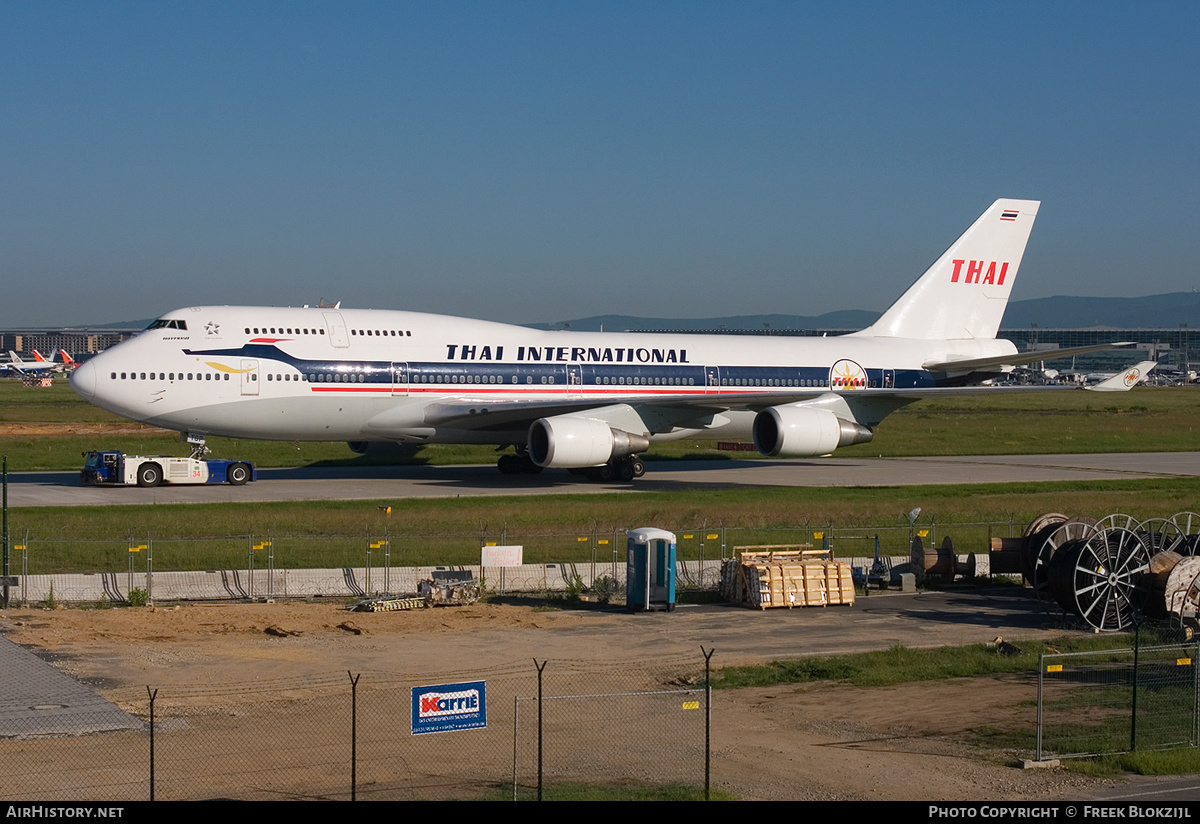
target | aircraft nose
[{"x": 83, "y": 381}]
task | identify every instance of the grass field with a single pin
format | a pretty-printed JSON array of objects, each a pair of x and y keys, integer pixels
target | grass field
[
  {"x": 1146, "y": 419},
  {"x": 568, "y": 528},
  {"x": 564, "y": 528}
]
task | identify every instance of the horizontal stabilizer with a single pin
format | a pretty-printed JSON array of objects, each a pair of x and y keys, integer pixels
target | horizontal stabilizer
[
  {"x": 1126, "y": 380},
  {"x": 1019, "y": 359}
]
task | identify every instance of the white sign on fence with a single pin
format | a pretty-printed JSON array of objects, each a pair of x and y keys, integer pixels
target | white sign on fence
[{"x": 501, "y": 556}]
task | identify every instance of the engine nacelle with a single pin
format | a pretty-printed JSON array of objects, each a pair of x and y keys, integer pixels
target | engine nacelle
[
  {"x": 569, "y": 442},
  {"x": 804, "y": 432}
]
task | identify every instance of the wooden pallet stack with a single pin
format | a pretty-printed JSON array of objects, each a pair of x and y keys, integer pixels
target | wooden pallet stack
[{"x": 786, "y": 575}]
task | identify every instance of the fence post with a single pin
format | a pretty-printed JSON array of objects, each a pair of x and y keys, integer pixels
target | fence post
[
  {"x": 1195, "y": 695},
  {"x": 387, "y": 561},
  {"x": 1133, "y": 703},
  {"x": 516, "y": 732},
  {"x": 149, "y": 570},
  {"x": 153, "y": 694},
  {"x": 367, "y": 570},
  {"x": 5, "y": 537},
  {"x": 1041, "y": 676},
  {"x": 707, "y": 719},
  {"x": 353, "y": 734},
  {"x": 25, "y": 570},
  {"x": 540, "y": 668}
]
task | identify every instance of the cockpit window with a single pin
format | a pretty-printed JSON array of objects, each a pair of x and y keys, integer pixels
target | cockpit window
[{"x": 163, "y": 323}]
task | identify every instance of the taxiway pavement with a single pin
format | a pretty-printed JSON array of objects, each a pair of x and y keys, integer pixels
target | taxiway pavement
[{"x": 392, "y": 482}]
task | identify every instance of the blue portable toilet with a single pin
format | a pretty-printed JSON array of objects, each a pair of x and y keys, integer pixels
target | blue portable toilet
[{"x": 650, "y": 570}]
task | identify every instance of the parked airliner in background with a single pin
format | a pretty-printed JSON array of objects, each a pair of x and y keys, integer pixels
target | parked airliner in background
[
  {"x": 39, "y": 366},
  {"x": 576, "y": 400},
  {"x": 67, "y": 363}
]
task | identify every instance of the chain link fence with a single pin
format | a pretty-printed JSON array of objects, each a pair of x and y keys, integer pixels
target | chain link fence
[
  {"x": 552, "y": 730},
  {"x": 1116, "y": 701},
  {"x": 235, "y": 567}
]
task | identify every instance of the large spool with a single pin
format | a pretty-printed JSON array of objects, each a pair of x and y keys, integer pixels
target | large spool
[
  {"x": 939, "y": 561},
  {"x": 1102, "y": 579}
]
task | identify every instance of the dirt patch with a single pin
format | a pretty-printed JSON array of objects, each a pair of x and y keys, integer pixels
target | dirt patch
[
  {"x": 817, "y": 741},
  {"x": 55, "y": 430}
]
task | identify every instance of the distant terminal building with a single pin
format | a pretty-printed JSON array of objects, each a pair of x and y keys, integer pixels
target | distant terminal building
[
  {"x": 1170, "y": 347},
  {"x": 75, "y": 342}
]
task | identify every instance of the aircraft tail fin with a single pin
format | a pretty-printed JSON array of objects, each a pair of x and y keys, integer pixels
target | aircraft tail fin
[
  {"x": 1126, "y": 380},
  {"x": 964, "y": 293},
  {"x": 67, "y": 359},
  {"x": 37, "y": 356},
  {"x": 14, "y": 358}
]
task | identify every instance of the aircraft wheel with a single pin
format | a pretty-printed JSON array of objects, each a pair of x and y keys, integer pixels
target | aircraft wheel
[
  {"x": 639, "y": 467},
  {"x": 625, "y": 471},
  {"x": 605, "y": 473},
  {"x": 237, "y": 474},
  {"x": 149, "y": 474},
  {"x": 509, "y": 464}
]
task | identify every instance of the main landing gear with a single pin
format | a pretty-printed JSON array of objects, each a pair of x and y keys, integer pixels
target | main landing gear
[
  {"x": 518, "y": 464},
  {"x": 623, "y": 469}
]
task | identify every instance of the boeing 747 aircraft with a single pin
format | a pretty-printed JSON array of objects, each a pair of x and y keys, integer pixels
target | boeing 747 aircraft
[
  {"x": 39, "y": 366},
  {"x": 575, "y": 400}
]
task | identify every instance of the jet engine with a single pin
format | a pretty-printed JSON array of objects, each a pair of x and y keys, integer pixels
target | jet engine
[
  {"x": 569, "y": 442},
  {"x": 802, "y": 431}
]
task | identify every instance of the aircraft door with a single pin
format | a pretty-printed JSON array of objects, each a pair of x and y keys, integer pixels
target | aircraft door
[
  {"x": 337, "y": 329},
  {"x": 712, "y": 379},
  {"x": 574, "y": 379},
  {"x": 249, "y": 377},
  {"x": 400, "y": 378}
]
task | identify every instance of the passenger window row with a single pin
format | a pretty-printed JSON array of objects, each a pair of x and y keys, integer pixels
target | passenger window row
[
  {"x": 770, "y": 382},
  {"x": 282, "y": 331},
  {"x": 171, "y": 376}
]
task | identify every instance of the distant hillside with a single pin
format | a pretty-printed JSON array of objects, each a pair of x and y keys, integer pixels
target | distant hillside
[
  {"x": 846, "y": 319},
  {"x": 1059, "y": 312}
]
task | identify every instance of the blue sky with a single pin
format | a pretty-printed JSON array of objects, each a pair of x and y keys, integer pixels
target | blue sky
[{"x": 531, "y": 161}]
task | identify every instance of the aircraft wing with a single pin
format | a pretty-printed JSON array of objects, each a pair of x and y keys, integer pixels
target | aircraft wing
[
  {"x": 468, "y": 413},
  {"x": 1019, "y": 359},
  {"x": 684, "y": 411}
]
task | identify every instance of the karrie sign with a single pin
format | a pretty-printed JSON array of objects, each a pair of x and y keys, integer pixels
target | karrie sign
[{"x": 449, "y": 707}]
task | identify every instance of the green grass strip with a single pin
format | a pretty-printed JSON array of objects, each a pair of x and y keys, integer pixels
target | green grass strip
[{"x": 901, "y": 664}]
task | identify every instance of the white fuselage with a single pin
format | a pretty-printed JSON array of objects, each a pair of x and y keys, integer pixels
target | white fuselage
[{"x": 375, "y": 375}]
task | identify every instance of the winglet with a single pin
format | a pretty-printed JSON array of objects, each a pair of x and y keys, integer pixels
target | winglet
[{"x": 1124, "y": 381}]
